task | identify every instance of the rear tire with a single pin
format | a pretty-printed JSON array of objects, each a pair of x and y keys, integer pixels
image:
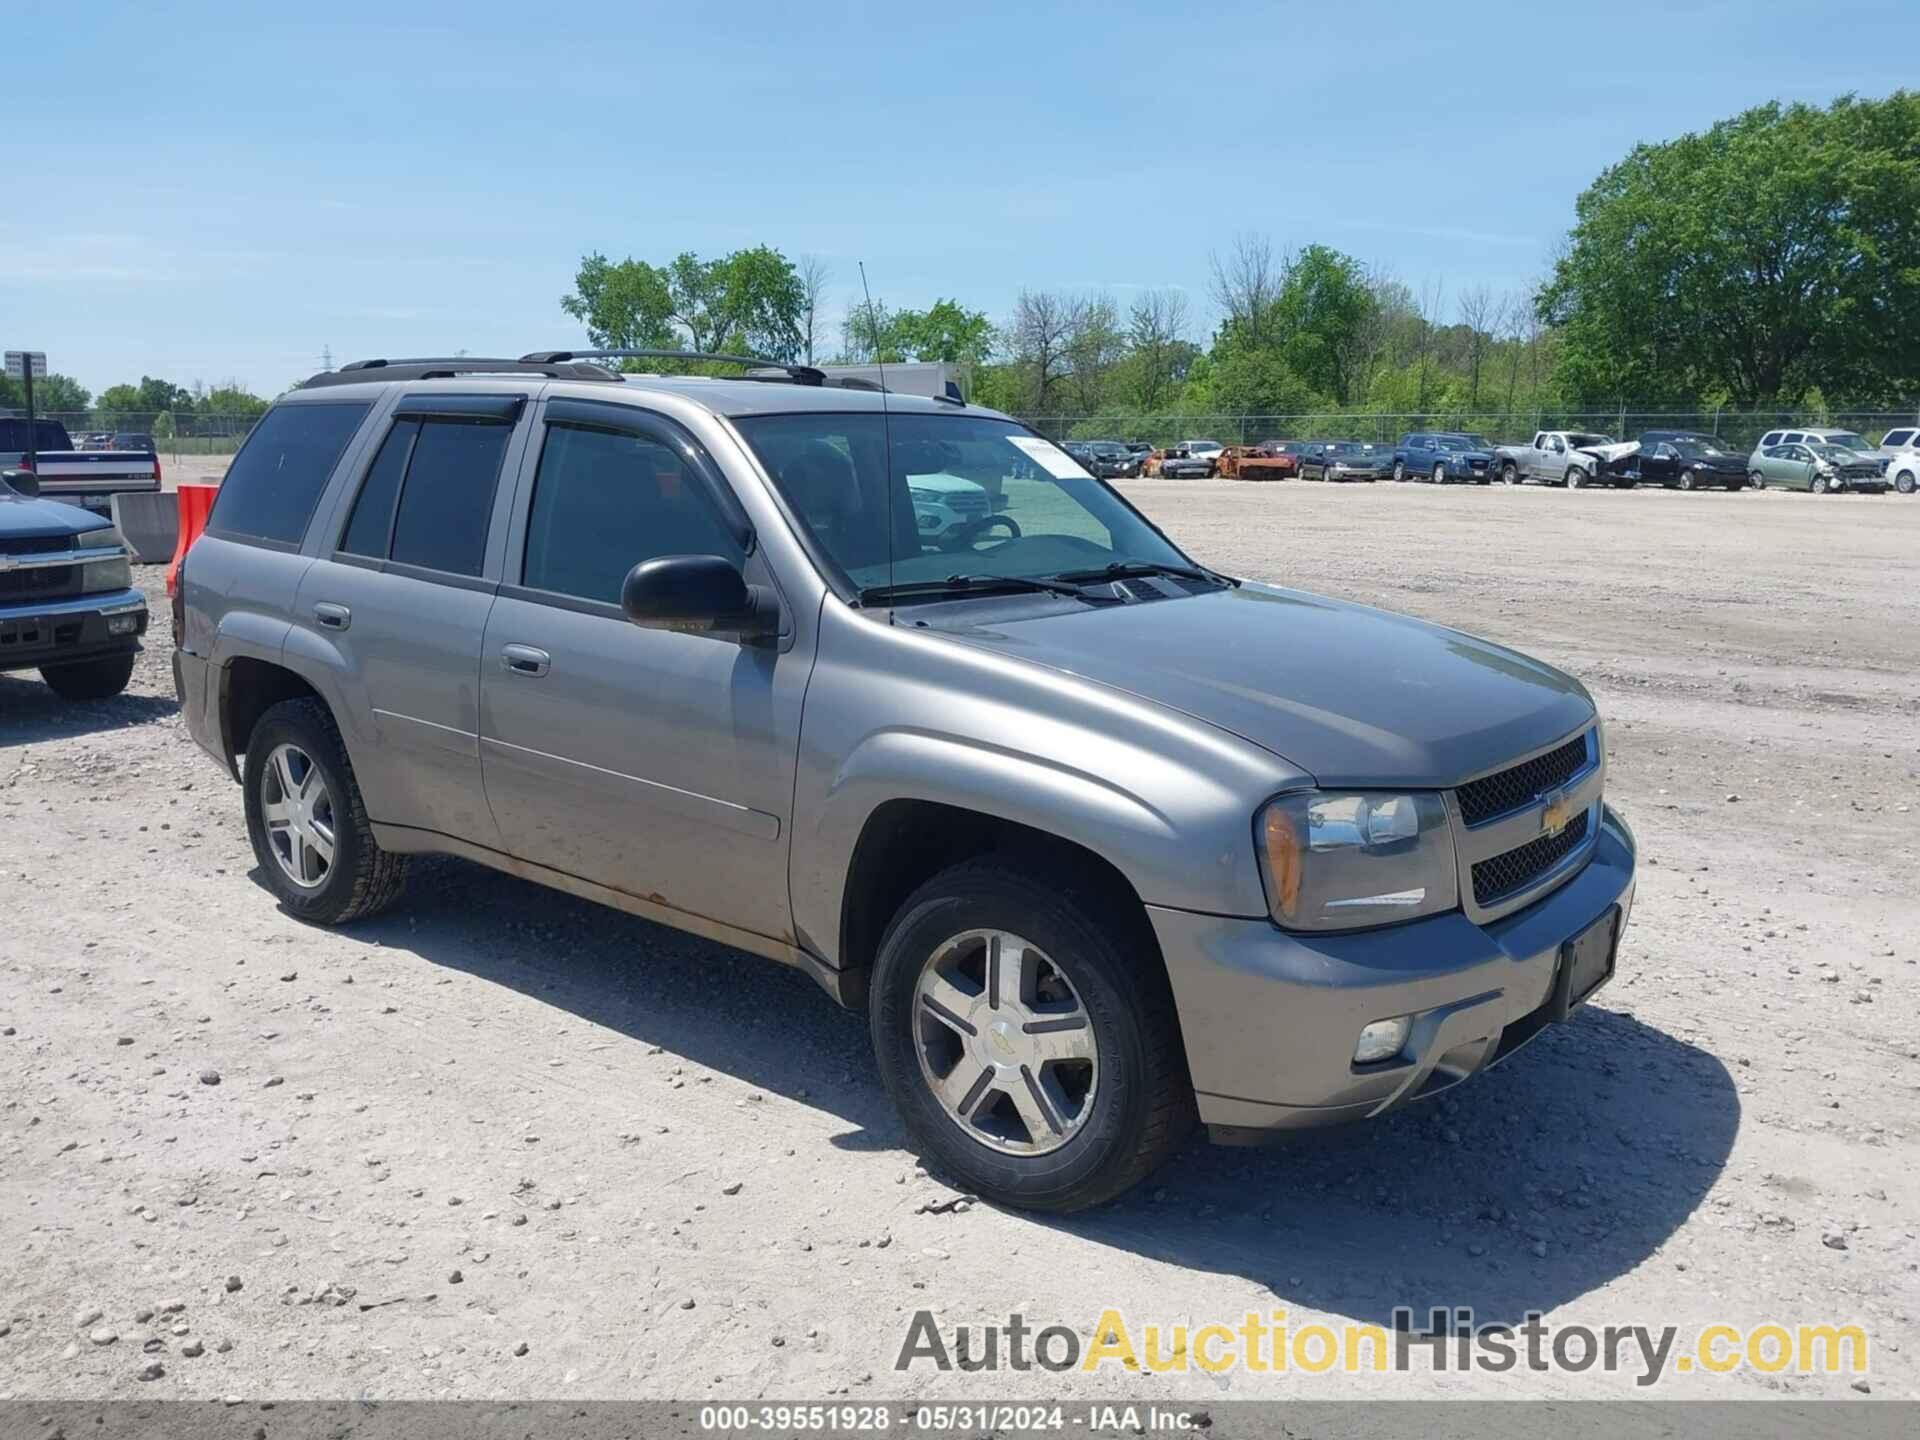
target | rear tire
[
  {"x": 1576, "y": 477},
  {"x": 1756, "y": 481},
  {"x": 1400, "y": 470},
  {"x": 1904, "y": 482},
  {"x": 89, "y": 679},
  {"x": 1509, "y": 474},
  {"x": 1138, "y": 1103},
  {"x": 355, "y": 878}
]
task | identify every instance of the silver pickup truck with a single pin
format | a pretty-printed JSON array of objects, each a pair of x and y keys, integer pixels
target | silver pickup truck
[
  {"x": 1102, "y": 841},
  {"x": 1565, "y": 457}
]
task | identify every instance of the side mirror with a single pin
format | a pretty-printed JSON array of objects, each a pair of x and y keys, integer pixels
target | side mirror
[
  {"x": 698, "y": 595},
  {"x": 21, "y": 482}
]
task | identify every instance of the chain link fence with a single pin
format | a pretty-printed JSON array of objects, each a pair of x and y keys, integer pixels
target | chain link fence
[
  {"x": 178, "y": 435},
  {"x": 1739, "y": 429},
  {"x": 174, "y": 434}
]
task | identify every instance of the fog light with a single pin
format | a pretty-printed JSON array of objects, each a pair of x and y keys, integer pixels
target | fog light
[
  {"x": 122, "y": 624},
  {"x": 1382, "y": 1040}
]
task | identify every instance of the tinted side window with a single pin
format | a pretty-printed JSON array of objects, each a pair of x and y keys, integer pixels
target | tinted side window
[
  {"x": 603, "y": 502},
  {"x": 372, "y": 523},
  {"x": 447, "y": 499},
  {"x": 271, "y": 487},
  {"x": 1896, "y": 438}
]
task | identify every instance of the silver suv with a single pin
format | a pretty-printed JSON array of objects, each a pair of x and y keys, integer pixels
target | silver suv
[{"x": 1104, "y": 842}]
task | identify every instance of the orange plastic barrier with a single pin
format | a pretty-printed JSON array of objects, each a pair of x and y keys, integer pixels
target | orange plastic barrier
[{"x": 196, "y": 503}]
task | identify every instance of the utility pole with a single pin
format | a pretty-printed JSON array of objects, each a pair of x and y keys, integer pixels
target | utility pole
[{"x": 326, "y": 357}]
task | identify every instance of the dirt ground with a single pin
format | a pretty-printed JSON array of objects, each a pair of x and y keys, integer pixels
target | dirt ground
[{"x": 502, "y": 1143}]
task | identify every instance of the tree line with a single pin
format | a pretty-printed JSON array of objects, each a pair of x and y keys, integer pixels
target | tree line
[
  {"x": 1773, "y": 260},
  {"x": 157, "y": 405}
]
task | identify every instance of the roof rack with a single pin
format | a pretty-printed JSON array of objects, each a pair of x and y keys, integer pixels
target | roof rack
[
  {"x": 759, "y": 367},
  {"x": 450, "y": 367}
]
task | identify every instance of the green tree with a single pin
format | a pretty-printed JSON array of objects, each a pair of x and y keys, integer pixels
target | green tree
[
  {"x": 1777, "y": 252},
  {"x": 752, "y": 301},
  {"x": 1325, "y": 301},
  {"x": 232, "y": 398},
  {"x": 52, "y": 393}
]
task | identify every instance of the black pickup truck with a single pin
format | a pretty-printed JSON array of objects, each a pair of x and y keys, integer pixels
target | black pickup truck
[
  {"x": 87, "y": 478},
  {"x": 68, "y": 606}
]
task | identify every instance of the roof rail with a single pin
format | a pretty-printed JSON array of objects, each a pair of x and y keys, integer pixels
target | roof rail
[
  {"x": 450, "y": 367},
  {"x": 798, "y": 374}
]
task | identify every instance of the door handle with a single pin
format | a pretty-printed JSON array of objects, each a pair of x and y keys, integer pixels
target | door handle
[
  {"x": 525, "y": 660},
  {"x": 333, "y": 617}
]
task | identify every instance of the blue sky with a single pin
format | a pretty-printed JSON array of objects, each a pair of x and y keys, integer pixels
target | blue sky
[{"x": 218, "y": 191}]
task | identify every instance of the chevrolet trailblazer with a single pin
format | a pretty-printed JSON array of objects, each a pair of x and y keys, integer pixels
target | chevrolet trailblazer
[{"x": 1104, "y": 842}]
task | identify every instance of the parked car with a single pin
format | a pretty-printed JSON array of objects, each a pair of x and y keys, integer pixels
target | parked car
[
  {"x": 1104, "y": 842},
  {"x": 1565, "y": 457},
  {"x": 1140, "y": 448},
  {"x": 1080, "y": 451},
  {"x": 1443, "y": 456},
  {"x": 87, "y": 478},
  {"x": 1110, "y": 460},
  {"x": 1900, "y": 448},
  {"x": 97, "y": 440},
  {"x": 1192, "y": 459},
  {"x": 68, "y": 606},
  {"x": 1823, "y": 435},
  {"x": 1685, "y": 460},
  {"x": 1345, "y": 460},
  {"x": 1817, "y": 467}
]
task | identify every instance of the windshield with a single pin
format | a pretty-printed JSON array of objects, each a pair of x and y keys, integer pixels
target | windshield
[
  {"x": 1108, "y": 447},
  {"x": 966, "y": 495},
  {"x": 1348, "y": 448}
]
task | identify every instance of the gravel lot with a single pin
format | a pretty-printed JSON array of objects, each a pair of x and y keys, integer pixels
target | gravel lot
[{"x": 502, "y": 1143}]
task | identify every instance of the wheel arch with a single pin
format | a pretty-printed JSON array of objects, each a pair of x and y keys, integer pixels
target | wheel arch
[{"x": 249, "y": 687}]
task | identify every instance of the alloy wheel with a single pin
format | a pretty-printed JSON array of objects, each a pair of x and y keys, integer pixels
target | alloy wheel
[
  {"x": 297, "y": 807},
  {"x": 1005, "y": 1043}
]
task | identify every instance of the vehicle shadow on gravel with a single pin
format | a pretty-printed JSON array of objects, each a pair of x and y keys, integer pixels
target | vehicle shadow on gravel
[
  {"x": 1522, "y": 1189},
  {"x": 31, "y": 714}
]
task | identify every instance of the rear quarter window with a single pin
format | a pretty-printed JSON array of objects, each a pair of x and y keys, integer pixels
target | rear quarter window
[{"x": 276, "y": 479}]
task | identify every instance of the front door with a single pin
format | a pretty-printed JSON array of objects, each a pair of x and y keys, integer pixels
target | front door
[{"x": 653, "y": 762}]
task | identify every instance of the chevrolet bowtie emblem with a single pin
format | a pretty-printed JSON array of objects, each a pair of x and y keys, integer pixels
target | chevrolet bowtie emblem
[
  {"x": 7, "y": 562},
  {"x": 1556, "y": 814}
]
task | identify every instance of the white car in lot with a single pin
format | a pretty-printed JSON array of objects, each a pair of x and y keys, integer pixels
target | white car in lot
[
  {"x": 943, "y": 502},
  {"x": 1900, "y": 448}
]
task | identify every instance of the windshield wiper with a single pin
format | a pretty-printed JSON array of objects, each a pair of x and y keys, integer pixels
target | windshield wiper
[
  {"x": 1123, "y": 569},
  {"x": 980, "y": 585}
]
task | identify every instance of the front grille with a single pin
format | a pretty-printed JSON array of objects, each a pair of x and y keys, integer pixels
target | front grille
[
  {"x": 1492, "y": 795},
  {"x": 966, "y": 504},
  {"x": 44, "y": 582},
  {"x": 1503, "y": 875},
  {"x": 34, "y": 544}
]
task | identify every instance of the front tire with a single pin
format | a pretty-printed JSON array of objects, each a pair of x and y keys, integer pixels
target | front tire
[
  {"x": 1400, "y": 470},
  {"x": 89, "y": 679},
  {"x": 1027, "y": 1037},
  {"x": 1686, "y": 480},
  {"x": 1576, "y": 477},
  {"x": 1819, "y": 486},
  {"x": 307, "y": 822},
  {"x": 1439, "y": 474}
]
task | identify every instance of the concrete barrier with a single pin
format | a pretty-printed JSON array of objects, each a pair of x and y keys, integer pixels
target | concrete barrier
[{"x": 150, "y": 524}]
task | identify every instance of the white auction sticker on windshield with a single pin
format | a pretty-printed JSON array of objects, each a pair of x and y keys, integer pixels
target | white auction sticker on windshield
[{"x": 1049, "y": 457}]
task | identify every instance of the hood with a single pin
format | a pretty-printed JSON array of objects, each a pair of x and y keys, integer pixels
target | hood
[
  {"x": 1351, "y": 695},
  {"x": 27, "y": 515}
]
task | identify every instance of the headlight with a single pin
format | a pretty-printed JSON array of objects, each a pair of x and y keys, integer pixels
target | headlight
[
  {"x": 97, "y": 539},
  {"x": 99, "y": 575},
  {"x": 1339, "y": 861}
]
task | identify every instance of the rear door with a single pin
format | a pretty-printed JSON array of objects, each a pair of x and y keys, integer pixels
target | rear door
[
  {"x": 654, "y": 762},
  {"x": 401, "y": 596}
]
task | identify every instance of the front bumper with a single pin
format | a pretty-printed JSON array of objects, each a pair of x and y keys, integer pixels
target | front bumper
[
  {"x": 58, "y": 632},
  {"x": 1271, "y": 1018}
]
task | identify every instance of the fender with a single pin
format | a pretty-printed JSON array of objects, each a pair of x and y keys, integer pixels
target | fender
[{"x": 901, "y": 714}]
